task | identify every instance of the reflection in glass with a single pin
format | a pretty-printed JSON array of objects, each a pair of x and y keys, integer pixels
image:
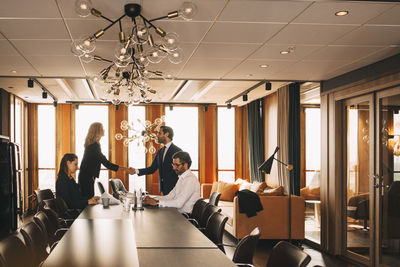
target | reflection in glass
[
  {"x": 136, "y": 154},
  {"x": 357, "y": 180},
  {"x": 390, "y": 172}
]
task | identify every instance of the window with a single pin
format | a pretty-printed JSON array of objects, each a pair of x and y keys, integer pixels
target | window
[
  {"x": 84, "y": 117},
  {"x": 46, "y": 147},
  {"x": 226, "y": 144},
  {"x": 313, "y": 143},
  {"x": 136, "y": 155},
  {"x": 185, "y": 123},
  {"x": 396, "y": 139}
]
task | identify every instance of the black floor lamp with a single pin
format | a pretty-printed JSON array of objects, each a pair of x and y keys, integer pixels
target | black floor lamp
[{"x": 266, "y": 167}]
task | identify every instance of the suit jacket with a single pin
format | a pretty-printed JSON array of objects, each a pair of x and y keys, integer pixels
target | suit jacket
[
  {"x": 166, "y": 175},
  {"x": 70, "y": 192},
  {"x": 92, "y": 159}
]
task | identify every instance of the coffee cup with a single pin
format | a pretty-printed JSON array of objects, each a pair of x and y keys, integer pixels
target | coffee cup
[{"x": 105, "y": 201}]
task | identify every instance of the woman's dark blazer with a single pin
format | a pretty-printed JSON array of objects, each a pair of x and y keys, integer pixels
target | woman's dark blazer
[{"x": 70, "y": 192}]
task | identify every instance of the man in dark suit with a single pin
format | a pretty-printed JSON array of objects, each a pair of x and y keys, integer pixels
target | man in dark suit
[{"x": 163, "y": 161}]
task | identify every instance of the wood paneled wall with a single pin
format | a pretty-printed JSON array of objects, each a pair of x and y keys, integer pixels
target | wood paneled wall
[
  {"x": 271, "y": 135},
  {"x": 208, "y": 157},
  {"x": 32, "y": 149},
  {"x": 241, "y": 144},
  {"x": 65, "y": 131}
]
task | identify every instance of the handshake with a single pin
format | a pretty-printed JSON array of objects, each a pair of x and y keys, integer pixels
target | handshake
[{"x": 129, "y": 170}]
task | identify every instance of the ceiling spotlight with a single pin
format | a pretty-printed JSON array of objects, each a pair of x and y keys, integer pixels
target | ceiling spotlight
[
  {"x": 229, "y": 106},
  {"x": 77, "y": 106},
  {"x": 245, "y": 97},
  {"x": 44, "y": 94},
  {"x": 205, "y": 108},
  {"x": 55, "y": 103},
  {"x": 171, "y": 108},
  {"x": 341, "y": 13},
  {"x": 284, "y": 52},
  {"x": 129, "y": 69},
  {"x": 13, "y": 71},
  {"x": 263, "y": 66},
  {"x": 268, "y": 86},
  {"x": 30, "y": 83}
]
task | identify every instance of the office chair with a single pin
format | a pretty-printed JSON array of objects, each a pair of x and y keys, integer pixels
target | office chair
[
  {"x": 215, "y": 229},
  {"x": 214, "y": 198},
  {"x": 246, "y": 247},
  {"x": 36, "y": 240},
  {"x": 13, "y": 252},
  {"x": 285, "y": 254},
  {"x": 101, "y": 187},
  {"x": 208, "y": 211},
  {"x": 117, "y": 187}
]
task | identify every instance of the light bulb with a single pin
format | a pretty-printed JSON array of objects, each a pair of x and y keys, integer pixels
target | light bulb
[
  {"x": 118, "y": 136},
  {"x": 76, "y": 49},
  {"x": 83, "y": 7},
  {"x": 122, "y": 53},
  {"x": 167, "y": 76},
  {"x": 176, "y": 56},
  {"x": 126, "y": 143},
  {"x": 86, "y": 44},
  {"x": 154, "y": 56},
  {"x": 142, "y": 59},
  {"x": 87, "y": 58},
  {"x": 124, "y": 123},
  {"x": 188, "y": 10},
  {"x": 171, "y": 41},
  {"x": 152, "y": 149},
  {"x": 120, "y": 63},
  {"x": 116, "y": 101}
]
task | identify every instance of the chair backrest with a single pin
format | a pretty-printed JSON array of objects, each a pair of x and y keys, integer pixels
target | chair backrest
[
  {"x": 36, "y": 239},
  {"x": 47, "y": 226},
  {"x": 41, "y": 195},
  {"x": 286, "y": 254},
  {"x": 14, "y": 252},
  {"x": 214, "y": 198},
  {"x": 215, "y": 229},
  {"x": 208, "y": 211},
  {"x": 117, "y": 187},
  {"x": 245, "y": 248},
  {"x": 101, "y": 187},
  {"x": 198, "y": 209}
]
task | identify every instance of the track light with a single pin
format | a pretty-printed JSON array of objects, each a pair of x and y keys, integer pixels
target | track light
[
  {"x": 30, "y": 83},
  {"x": 268, "y": 86},
  {"x": 229, "y": 106},
  {"x": 205, "y": 108},
  {"x": 55, "y": 103},
  {"x": 77, "y": 106},
  {"x": 116, "y": 107},
  {"x": 171, "y": 108},
  {"x": 44, "y": 94},
  {"x": 245, "y": 97}
]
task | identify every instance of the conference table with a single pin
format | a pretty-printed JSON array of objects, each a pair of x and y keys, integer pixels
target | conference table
[{"x": 150, "y": 237}]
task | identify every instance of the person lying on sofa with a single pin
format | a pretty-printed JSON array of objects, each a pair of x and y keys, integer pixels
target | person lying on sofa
[{"x": 186, "y": 191}]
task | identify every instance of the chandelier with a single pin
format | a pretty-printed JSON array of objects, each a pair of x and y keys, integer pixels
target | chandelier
[
  {"x": 146, "y": 134},
  {"x": 127, "y": 76}
]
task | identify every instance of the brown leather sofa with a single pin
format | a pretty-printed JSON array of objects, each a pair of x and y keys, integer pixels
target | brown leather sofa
[{"x": 273, "y": 220}]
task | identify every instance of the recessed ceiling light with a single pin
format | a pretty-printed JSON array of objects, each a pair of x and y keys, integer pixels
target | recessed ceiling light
[
  {"x": 342, "y": 13},
  {"x": 284, "y": 52},
  {"x": 263, "y": 66},
  {"x": 13, "y": 71},
  {"x": 249, "y": 75},
  {"x": 10, "y": 87}
]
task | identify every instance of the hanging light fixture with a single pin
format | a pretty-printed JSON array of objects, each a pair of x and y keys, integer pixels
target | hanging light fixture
[
  {"x": 146, "y": 133},
  {"x": 127, "y": 73}
]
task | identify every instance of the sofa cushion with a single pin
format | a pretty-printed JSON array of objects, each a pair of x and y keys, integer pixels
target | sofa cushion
[
  {"x": 227, "y": 190},
  {"x": 245, "y": 185},
  {"x": 258, "y": 187},
  {"x": 214, "y": 188},
  {"x": 228, "y": 212},
  {"x": 278, "y": 191}
]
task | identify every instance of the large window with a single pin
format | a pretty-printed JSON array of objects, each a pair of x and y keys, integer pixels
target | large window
[
  {"x": 226, "y": 144},
  {"x": 136, "y": 155},
  {"x": 84, "y": 117},
  {"x": 46, "y": 147},
  {"x": 185, "y": 123},
  {"x": 313, "y": 143}
]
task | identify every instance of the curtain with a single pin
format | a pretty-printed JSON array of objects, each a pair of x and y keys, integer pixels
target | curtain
[
  {"x": 283, "y": 136},
  {"x": 294, "y": 136},
  {"x": 255, "y": 128}
]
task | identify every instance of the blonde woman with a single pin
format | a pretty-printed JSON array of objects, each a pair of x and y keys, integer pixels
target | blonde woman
[{"x": 92, "y": 159}]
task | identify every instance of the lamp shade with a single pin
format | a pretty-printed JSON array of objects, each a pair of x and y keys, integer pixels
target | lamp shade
[{"x": 267, "y": 165}]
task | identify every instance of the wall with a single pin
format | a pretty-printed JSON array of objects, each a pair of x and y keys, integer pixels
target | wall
[
  {"x": 4, "y": 113},
  {"x": 271, "y": 135}
]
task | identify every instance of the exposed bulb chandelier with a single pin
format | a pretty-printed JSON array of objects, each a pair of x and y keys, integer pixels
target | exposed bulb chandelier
[
  {"x": 127, "y": 73},
  {"x": 147, "y": 134}
]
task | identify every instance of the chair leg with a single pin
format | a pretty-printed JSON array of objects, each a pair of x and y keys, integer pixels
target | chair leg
[{"x": 365, "y": 224}]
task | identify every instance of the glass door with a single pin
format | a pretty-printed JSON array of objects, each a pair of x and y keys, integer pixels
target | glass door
[
  {"x": 358, "y": 161},
  {"x": 388, "y": 180}
]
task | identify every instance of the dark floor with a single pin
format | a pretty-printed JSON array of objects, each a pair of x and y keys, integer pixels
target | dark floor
[{"x": 264, "y": 248}]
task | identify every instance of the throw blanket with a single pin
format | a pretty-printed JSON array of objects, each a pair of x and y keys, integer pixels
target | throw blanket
[{"x": 249, "y": 202}]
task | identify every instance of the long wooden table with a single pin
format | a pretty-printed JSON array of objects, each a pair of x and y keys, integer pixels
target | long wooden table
[{"x": 152, "y": 237}]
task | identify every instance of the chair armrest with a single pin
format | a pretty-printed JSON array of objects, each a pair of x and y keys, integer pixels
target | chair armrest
[
  {"x": 244, "y": 264},
  {"x": 60, "y": 233},
  {"x": 186, "y": 215},
  {"x": 65, "y": 223},
  {"x": 205, "y": 190},
  {"x": 194, "y": 222}
]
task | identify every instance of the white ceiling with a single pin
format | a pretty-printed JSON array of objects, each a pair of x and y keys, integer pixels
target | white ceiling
[{"x": 226, "y": 42}]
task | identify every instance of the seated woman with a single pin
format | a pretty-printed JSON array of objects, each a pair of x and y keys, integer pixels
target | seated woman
[{"x": 67, "y": 188}]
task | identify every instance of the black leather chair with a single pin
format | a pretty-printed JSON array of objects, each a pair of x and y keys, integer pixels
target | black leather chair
[
  {"x": 36, "y": 240},
  {"x": 215, "y": 229},
  {"x": 197, "y": 212},
  {"x": 358, "y": 208},
  {"x": 117, "y": 187},
  {"x": 284, "y": 254},
  {"x": 41, "y": 195},
  {"x": 48, "y": 221},
  {"x": 60, "y": 207},
  {"x": 208, "y": 211},
  {"x": 14, "y": 252},
  {"x": 101, "y": 187},
  {"x": 214, "y": 198},
  {"x": 246, "y": 247}
]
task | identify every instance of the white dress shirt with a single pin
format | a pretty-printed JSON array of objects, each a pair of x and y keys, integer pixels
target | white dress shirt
[{"x": 185, "y": 193}]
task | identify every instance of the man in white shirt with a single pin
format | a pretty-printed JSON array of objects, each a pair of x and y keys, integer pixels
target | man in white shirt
[{"x": 186, "y": 191}]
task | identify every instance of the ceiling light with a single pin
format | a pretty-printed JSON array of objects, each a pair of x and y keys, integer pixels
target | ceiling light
[
  {"x": 341, "y": 13},
  {"x": 249, "y": 75},
  {"x": 127, "y": 73},
  {"x": 10, "y": 87},
  {"x": 13, "y": 71},
  {"x": 229, "y": 106},
  {"x": 30, "y": 83},
  {"x": 284, "y": 52},
  {"x": 263, "y": 66},
  {"x": 268, "y": 86},
  {"x": 245, "y": 97},
  {"x": 44, "y": 94}
]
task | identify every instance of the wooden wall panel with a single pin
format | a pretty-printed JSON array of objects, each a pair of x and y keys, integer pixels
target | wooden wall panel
[
  {"x": 65, "y": 125},
  {"x": 118, "y": 153},
  {"x": 241, "y": 144},
  {"x": 208, "y": 157},
  {"x": 271, "y": 135},
  {"x": 32, "y": 150}
]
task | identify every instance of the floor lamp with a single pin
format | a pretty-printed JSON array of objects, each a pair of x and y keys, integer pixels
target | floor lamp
[{"x": 266, "y": 168}]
